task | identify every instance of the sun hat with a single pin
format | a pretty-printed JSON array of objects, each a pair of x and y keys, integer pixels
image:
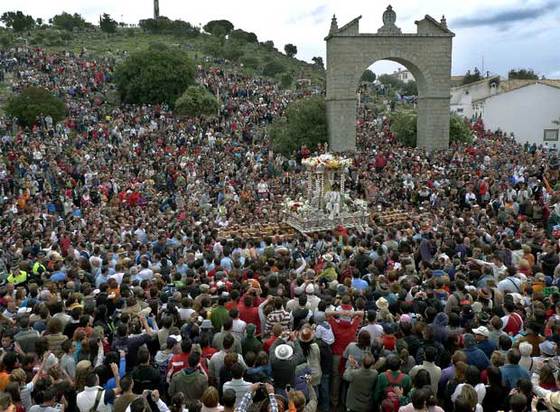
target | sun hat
[
  {"x": 481, "y": 330},
  {"x": 283, "y": 352},
  {"x": 328, "y": 257},
  {"x": 306, "y": 335}
]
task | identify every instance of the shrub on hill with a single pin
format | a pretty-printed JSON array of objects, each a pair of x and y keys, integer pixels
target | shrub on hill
[
  {"x": 304, "y": 123},
  {"x": 31, "y": 103},
  {"x": 154, "y": 76},
  {"x": 197, "y": 101}
]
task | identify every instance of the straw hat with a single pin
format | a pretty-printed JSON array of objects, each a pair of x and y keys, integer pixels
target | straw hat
[{"x": 283, "y": 352}]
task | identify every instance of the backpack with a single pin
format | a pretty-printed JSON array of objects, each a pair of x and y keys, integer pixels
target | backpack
[{"x": 391, "y": 401}]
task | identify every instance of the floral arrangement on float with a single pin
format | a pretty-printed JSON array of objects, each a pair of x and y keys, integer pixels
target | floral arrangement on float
[{"x": 326, "y": 161}]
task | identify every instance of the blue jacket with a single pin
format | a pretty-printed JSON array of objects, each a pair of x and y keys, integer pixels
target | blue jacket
[
  {"x": 487, "y": 347},
  {"x": 511, "y": 374},
  {"x": 477, "y": 358}
]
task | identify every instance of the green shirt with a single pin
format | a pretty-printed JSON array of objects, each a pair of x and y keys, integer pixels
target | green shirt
[{"x": 218, "y": 316}]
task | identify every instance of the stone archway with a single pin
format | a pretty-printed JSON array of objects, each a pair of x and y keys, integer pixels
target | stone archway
[{"x": 427, "y": 54}]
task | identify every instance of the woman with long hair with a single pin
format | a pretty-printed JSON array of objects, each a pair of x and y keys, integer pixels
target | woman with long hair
[{"x": 496, "y": 392}]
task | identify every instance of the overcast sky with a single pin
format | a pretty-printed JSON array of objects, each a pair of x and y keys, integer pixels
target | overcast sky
[{"x": 506, "y": 33}]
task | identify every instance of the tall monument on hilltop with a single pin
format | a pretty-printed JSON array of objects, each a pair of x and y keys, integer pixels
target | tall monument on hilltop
[
  {"x": 426, "y": 54},
  {"x": 156, "y": 9}
]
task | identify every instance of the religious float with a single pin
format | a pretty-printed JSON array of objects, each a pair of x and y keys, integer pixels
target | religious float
[{"x": 326, "y": 204}]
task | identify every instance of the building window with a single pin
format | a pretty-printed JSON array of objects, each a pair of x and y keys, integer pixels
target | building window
[
  {"x": 550, "y": 135},
  {"x": 460, "y": 110}
]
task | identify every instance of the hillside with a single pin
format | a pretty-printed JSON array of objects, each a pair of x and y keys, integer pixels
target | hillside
[{"x": 249, "y": 57}]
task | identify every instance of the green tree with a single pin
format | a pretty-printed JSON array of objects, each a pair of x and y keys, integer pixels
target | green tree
[
  {"x": 197, "y": 101},
  {"x": 107, "y": 24},
  {"x": 268, "y": 45},
  {"x": 244, "y": 36},
  {"x": 391, "y": 81},
  {"x": 17, "y": 21},
  {"x": 66, "y": 21},
  {"x": 472, "y": 77},
  {"x": 318, "y": 61},
  {"x": 304, "y": 123},
  {"x": 403, "y": 124},
  {"x": 459, "y": 130},
  {"x": 410, "y": 88},
  {"x": 273, "y": 68},
  {"x": 523, "y": 74},
  {"x": 32, "y": 102},
  {"x": 219, "y": 28},
  {"x": 368, "y": 76},
  {"x": 154, "y": 76},
  {"x": 290, "y": 49}
]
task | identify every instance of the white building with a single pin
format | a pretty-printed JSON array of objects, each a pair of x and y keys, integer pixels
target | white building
[
  {"x": 403, "y": 75},
  {"x": 463, "y": 96},
  {"x": 528, "y": 111}
]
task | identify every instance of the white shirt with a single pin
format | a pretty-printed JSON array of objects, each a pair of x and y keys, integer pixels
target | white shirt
[
  {"x": 238, "y": 328},
  {"x": 86, "y": 399},
  {"x": 511, "y": 284}
]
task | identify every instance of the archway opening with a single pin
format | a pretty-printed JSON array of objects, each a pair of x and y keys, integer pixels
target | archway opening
[{"x": 386, "y": 90}]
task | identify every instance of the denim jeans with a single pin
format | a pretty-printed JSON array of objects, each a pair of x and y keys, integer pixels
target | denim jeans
[{"x": 324, "y": 393}]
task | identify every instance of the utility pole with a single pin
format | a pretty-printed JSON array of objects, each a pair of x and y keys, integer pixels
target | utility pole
[{"x": 156, "y": 9}]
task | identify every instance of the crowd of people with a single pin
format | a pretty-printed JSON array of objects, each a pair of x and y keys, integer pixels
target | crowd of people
[{"x": 120, "y": 294}]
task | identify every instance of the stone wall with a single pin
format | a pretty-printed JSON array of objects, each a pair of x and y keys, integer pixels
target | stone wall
[{"x": 427, "y": 56}]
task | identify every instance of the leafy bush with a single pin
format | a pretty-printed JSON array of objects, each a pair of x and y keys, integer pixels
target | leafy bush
[
  {"x": 197, "y": 101},
  {"x": 523, "y": 74},
  {"x": 33, "y": 101},
  {"x": 403, "y": 124},
  {"x": 107, "y": 24},
  {"x": 367, "y": 76},
  {"x": 459, "y": 130},
  {"x": 472, "y": 77},
  {"x": 304, "y": 123},
  {"x": 244, "y": 36},
  {"x": 219, "y": 28},
  {"x": 154, "y": 76},
  {"x": 163, "y": 25},
  {"x": 18, "y": 21},
  {"x": 290, "y": 49},
  {"x": 66, "y": 21}
]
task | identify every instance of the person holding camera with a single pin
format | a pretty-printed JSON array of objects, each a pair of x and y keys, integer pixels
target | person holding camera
[{"x": 256, "y": 392}]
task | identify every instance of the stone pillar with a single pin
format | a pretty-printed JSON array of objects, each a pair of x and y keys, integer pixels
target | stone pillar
[
  {"x": 341, "y": 115},
  {"x": 433, "y": 123}
]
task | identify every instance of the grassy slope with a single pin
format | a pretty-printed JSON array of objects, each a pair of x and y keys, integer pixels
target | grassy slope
[{"x": 100, "y": 44}]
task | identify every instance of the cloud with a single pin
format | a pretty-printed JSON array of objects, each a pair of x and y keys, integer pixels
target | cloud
[
  {"x": 504, "y": 18},
  {"x": 317, "y": 15}
]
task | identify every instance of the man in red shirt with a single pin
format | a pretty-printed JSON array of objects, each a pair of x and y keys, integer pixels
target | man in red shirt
[
  {"x": 249, "y": 311},
  {"x": 276, "y": 332},
  {"x": 179, "y": 361},
  {"x": 344, "y": 333}
]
